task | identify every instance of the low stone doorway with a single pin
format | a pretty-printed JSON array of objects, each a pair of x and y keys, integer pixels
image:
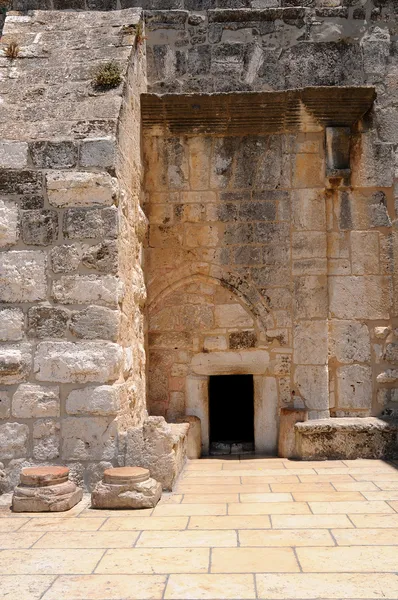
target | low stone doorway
[{"x": 231, "y": 414}]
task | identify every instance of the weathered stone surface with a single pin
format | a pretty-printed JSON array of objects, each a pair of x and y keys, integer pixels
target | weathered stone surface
[
  {"x": 47, "y": 321},
  {"x": 9, "y": 230},
  {"x": 391, "y": 353},
  {"x": 96, "y": 322},
  {"x": 15, "y": 363},
  {"x": 349, "y": 341},
  {"x": 242, "y": 339},
  {"x": 65, "y": 259},
  {"x": 103, "y": 400},
  {"x": 310, "y": 343},
  {"x": 11, "y": 324},
  {"x": 388, "y": 376},
  {"x": 23, "y": 277},
  {"x": 32, "y": 401},
  {"x": 253, "y": 362},
  {"x": 345, "y": 438},
  {"x": 86, "y": 289},
  {"x": 159, "y": 447},
  {"x": 103, "y": 257},
  {"x": 232, "y": 315},
  {"x": 5, "y": 404},
  {"x": 144, "y": 494},
  {"x": 354, "y": 387},
  {"x": 366, "y": 297},
  {"x": 194, "y": 439},
  {"x": 79, "y": 362},
  {"x": 54, "y": 155},
  {"x": 97, "y": 152},
  {"x": 92, "y": 223},
  {"x": 312, "y": 386},
  {"x": 52, "y": 498},
  {"x": 13, "y": 440},
  {"x": 85, "y": 438},
  {"x": 13, "y": 155},
  {"x": 80, "y": 189},
  {"x": 39, "y": 227},
  {"x": 46, "y": 439},
  {"x": 286, "y": 438}
]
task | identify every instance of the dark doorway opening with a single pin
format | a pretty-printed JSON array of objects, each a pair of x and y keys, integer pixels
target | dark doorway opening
[{"x": 231, "y": 414}]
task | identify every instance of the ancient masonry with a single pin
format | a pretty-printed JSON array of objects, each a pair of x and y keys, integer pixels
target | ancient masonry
[{"x": 151, "y": 238}]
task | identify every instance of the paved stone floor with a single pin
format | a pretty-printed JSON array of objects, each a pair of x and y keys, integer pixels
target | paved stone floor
[{"x": 233, "y": 529}]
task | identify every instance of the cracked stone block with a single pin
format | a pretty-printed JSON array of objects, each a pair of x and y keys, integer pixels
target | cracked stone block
[
  {"x": 9, "y": 229},
  {"x": 103, "y": 257},
  {"x": 80, "y": 189},
  {"x": 80, "y": 362},
  {"x": 23, "y": 276},
  {"x": 103, "y": 400},
  {"x": 15, "y": 363},
  {"x": 11, "y": 324},
  {"x": 33, "y": 401},
  {"x": 312, "y": 386},
  {"x": 362, "y": 297},
  {"x": 39, "y": 227}
]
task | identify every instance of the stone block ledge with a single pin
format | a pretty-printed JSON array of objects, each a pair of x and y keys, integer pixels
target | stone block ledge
[{"x": 346, "y": 438}]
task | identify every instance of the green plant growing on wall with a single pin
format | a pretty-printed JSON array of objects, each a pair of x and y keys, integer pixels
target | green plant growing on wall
[
  {"x": 11, "y": 51},
  {"x": 107, "y": 76}
]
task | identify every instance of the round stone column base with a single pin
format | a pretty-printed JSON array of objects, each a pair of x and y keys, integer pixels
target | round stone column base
[
  {"x": 45, "y": 489},
  {"x": 126, "y": 487}
]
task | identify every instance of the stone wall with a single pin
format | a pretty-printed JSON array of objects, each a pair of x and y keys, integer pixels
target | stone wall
[
  {"x": 261, "y": 253},
  {"x": 72, "y": 358}
]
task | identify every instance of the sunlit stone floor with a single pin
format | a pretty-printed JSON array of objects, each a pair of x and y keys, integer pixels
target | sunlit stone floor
[{"x": 237, "y": 528}]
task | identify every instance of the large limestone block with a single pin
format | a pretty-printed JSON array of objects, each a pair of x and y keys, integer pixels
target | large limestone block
[
  {"x": 310, "y": 343},
  {"x": 23, "y": 276},
  {"x": 367, "y": 297},
  {"x": 126, "y": 487},
  {"x": 88, "y": 438},
  {"x": 80, "y": 189},
  {"x": 46, "y": 439},
  {"x": 252, "y": 362},
  {"x": 13, "y": 440},
  {"x": 96, "y": 322},
  {"x": 80, "y": 362},
  {"x": 312, "y": 386},
  {"x": 9, "y": 230},
  {"x": 194, "y": 441},
  {"x": 159, "y": 447},
  {"x": 345, "y": 438},
  {"x": 349, "y": 341},
  {"x": 45, "y": 489},
  {"x": 103, "y": 400},
  {"x": 354, "y": 386},
  {"x": 32, "y": 401},
  {"x": 11, "y": 325},
  {"x": 286, "y": 439},
  {"x": 232, "y": 315},
  {"x": 15, "y": 363},
  {"x": 88, "y": 289}
]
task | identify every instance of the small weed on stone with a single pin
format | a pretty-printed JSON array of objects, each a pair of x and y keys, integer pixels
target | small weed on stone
[
  {"x": 107, "y": 76},
  {"x": 11, "y": 51}
]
